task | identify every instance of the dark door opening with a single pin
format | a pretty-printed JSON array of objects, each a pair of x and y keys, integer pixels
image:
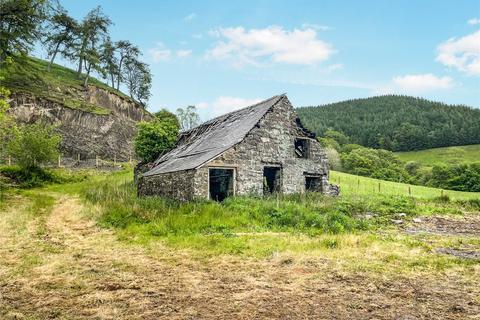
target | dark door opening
[
  {"x": 313, "y": 184},
  {"x": 271, "y": 180},
  {"x": 220, "y": 184}
]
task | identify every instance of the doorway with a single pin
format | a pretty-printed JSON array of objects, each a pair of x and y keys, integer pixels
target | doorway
[
  {"x": 221, "y": 183},
  {"x": 271, "y": 180}
]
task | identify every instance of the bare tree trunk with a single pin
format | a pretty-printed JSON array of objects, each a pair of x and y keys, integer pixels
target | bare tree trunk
[
  {"x": 53, "y": 57},
  {"x": 119, "y": 72},
  {"x": 113, "y": 80},
  {"x": 85, "y": 82},
  {"x": 80, "y": 63}
]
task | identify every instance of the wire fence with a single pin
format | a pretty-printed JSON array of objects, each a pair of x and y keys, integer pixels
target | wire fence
[
  {"x": 77, "y": 161},
  {"x": 351, "y": 184}
]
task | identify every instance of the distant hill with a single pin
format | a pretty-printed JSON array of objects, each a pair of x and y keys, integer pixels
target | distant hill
[
  {"x": 447, "y": 155},
  {"x": 93, "y": 120},
  {"x": 397, "y": 123}
]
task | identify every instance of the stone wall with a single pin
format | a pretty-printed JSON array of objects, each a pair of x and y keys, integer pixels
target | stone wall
[
  {"x": 271, "y": 142},
  {"x": 175, "y": 185}
]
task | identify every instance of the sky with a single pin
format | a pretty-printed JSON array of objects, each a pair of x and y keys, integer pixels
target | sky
[{"x": 223, "y": 55}]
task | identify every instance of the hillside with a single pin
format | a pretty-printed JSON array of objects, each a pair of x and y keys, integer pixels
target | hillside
[
  {"x": 447, "y": 155},
  {"x": 397, "y": 123},
  {"x": 357, "y": 185},
  {"x": 97, "y": 120}
]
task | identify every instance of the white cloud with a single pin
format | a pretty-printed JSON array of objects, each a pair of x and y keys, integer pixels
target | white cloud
[
  {"x": 225, "y": 104},
  {"x": 254, "y": 46},
  {"x": 474, "y": 21},
  {"x": 190, "y": 17},
  {"x": 461, "y": 53},
  {"x": 160, "y": 53},
  {"x": 334, "y": 67},
  {"x": 315, "y": 26},
  {"x": 417, "y": 83},
  {"x": 184, "y": 53}
]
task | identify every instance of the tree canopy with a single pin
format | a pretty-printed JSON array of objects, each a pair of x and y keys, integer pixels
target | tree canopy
[
  {"x": 156, "y": 136},
  {"x": 397, "y": 123}
]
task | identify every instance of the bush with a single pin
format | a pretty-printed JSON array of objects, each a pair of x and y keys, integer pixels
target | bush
[
  {"x": 333, "y": 159},
  {"x": 375, "y": 163},
  {"x": 27, "y": 178},
  {"x": 33, "y": 145},
  {"x": 156, "y": 136},
  {"x": 461, "y": 177},
  {"x": 36, "y": 176}
]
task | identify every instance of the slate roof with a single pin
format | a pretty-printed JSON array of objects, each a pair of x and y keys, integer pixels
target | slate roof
[{"x": 212, "y": 138}]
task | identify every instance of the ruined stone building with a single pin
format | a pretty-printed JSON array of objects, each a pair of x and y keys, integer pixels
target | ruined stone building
[{"x": 260, "y": 149}]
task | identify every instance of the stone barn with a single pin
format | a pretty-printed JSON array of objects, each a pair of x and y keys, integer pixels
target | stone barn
[{"x": 258, "y": 150}]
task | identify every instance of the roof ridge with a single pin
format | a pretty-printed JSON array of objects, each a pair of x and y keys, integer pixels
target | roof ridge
[{"x": 232, "y": 112}]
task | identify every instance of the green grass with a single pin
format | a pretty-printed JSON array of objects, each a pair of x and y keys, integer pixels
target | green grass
[
  {"x": 255, "y": 226},
  {"x": 448, "y": 155},
  {"x": 60, "y": 85},
  {"x": 357, "y": 185}
]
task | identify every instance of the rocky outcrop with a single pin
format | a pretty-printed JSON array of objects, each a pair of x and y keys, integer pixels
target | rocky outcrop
[{"x": 108, "y": 134}]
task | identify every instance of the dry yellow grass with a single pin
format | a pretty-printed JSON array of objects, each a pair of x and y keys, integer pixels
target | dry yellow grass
[{"x": 57, "y": 264}]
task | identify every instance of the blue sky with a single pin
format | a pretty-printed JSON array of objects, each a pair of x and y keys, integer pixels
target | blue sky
[{"x": 221, "y": 55}]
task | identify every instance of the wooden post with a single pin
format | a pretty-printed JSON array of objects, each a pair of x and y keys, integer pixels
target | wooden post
[
  {"x": 409, "y": 191},
  {"x": 96, "y": 160},
  {"x": 130, "y": 159},
  {"x": 379, "y": 187},
  {"x": 9, "y": 160},
  {"x": 114, "y": 159},
  {"x": 78, "y": 157},
  {"x": 59, "y": 160},
  {"x": 441, "y": 193}
]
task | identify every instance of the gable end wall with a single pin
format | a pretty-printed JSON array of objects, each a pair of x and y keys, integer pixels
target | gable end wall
[{"x": 271, "y": 142}]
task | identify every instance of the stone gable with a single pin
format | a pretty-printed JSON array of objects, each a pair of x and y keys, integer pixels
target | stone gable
[{"x": 266, "y": 159}]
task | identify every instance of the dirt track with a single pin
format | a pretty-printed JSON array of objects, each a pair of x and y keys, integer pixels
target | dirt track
[{"x": 78, "y": 271}]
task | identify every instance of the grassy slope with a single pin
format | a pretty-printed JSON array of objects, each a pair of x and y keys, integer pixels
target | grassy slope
[
  {"x": 446, "y": 155},
  {"x": 357, "y": 185},
  {"x": 60, "y": 85}
]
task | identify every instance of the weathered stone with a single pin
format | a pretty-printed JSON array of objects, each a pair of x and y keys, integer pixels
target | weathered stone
[
  {"x": 270, "y": 143},
  {"x": 89, "y": 134}
]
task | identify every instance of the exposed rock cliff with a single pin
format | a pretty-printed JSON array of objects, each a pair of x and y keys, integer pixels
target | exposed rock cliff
[{"x": 107, "y": 132}]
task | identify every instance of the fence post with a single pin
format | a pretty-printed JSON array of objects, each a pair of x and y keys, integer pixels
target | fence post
[
  {"x": 96, "y": 160},
  {"x": 441, "y": 192},
  {"x": 59, "y": 160},
  {"x": 379, "y": 187},
  {"x": 78, "y": 157},
  {"x": 409, "y": 191},
  {"x": 114, "y": 159},
  {"x": 130, "y": 160},
  {"x": 9, "y": 160}
]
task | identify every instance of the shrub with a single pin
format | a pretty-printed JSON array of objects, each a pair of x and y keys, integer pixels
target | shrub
[
  {"x": 462, "y": 177},
  {"x": 27, "y": 178},
  {"x": 33, "y": 145},
  {"x": 333, "y": 159},
  {"x": 156, "y": 136},
  {"x": 375, "y": 163}
]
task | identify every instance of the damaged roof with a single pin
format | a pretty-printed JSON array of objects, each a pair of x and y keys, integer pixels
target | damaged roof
[{"x": 212, "y": 138}]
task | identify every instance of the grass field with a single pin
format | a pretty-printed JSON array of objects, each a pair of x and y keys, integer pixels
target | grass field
[
  {"x": 92, "y": 250},
  {"x": 357, "y": 185},
  {"x": 430, "y": 157}
]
